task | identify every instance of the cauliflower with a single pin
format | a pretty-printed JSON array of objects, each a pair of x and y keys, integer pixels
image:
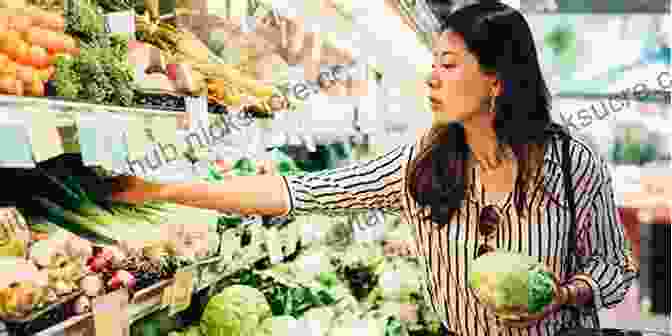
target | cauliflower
[
  {"x": 512, "y": 283},
  {"x": 236, "y": 311}
]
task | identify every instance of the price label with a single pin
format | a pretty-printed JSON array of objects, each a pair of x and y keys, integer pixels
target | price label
[
  {"x": 45, "y": 139},
  {"x": 197, "y": 109},
  {"x": 121, "y": 22},
  {"x": 110, "y": 314},
  {"x": 369, "y": 226},
  {"x": 15, "y": 140},
  {"x": 182, "y": 290}
]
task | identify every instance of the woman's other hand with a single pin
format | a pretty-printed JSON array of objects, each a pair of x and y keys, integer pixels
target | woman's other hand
[
  {"x": 561, "y": 297},
  {"x": 134, "y": 190}
]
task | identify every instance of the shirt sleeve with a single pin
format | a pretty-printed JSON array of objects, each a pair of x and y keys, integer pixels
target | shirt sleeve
[
  {"x": 605, "y": 261},
  {"x": 363, "y": 185}
]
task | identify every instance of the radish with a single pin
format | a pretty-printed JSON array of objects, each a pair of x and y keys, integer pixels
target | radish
[
  {"x": 121, "y": 279},
  {"x": 97, "y": 264}
]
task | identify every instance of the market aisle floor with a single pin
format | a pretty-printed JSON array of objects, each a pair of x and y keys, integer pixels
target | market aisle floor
[{"x": 628, "y": 316}]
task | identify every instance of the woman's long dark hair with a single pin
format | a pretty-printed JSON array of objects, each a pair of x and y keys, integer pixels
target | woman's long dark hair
[{"x": 502, "y": 42}]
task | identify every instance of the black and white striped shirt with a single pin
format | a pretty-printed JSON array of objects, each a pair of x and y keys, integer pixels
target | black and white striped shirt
[{"x": 447, "y": 251}]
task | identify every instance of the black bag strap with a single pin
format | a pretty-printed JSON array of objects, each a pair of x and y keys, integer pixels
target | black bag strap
[{"x": 571, "y": 204}]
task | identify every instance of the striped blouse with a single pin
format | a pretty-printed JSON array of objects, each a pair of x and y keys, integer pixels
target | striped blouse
[{"x": 446, "y": 251}]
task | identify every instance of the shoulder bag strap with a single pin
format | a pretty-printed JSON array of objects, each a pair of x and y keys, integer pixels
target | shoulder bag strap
[{"x": 569, "y": 196}]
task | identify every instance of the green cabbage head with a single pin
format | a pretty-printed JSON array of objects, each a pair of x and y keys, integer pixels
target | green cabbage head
[
  {"x": 236, "y": 311},
  {"x": 512, "y": 283}
]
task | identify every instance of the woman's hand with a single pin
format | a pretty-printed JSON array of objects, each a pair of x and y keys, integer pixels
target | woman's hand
[
  {"x": 561, "y": 297},
  {"x": 134, "y": 190}
]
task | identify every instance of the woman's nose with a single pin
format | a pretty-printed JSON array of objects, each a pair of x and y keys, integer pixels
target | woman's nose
[{"x": 432, "y": 82}]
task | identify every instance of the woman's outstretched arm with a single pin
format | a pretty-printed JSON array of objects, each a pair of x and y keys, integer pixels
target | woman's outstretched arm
[
  {"x": 363, "y": 185},
  {"x": 263, "y": 194}
]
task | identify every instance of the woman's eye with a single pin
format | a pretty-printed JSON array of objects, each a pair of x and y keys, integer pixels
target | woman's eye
[{"x": 447, "y": 66}]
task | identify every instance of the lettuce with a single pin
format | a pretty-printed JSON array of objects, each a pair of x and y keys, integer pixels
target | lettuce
[
  {"x": 237, "y": 311},
  {"x": 512, "y": 283}
]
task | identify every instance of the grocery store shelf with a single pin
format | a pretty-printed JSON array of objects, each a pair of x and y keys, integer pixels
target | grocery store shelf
[
  {"x": 65, "y": 108},
  {"x": 209, "y": 274}
]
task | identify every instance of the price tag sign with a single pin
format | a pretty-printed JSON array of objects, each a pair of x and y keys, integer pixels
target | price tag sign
[
  {"x": 110, "y": 314},
  {"x": 197, "y": 109},
  {"x": 182, "y": 290},
  {"x": 369, "y": 226},
  {"x": 45, "y": 139},
  {"x": 121, "y": 22},
  {"x": 16, "y": 150}
]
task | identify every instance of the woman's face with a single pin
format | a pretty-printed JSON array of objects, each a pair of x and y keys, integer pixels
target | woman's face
[{"x": 459, "y": 90}]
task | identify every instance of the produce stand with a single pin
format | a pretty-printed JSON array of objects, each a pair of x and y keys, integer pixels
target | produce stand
[{"x": 97, "y": 97}]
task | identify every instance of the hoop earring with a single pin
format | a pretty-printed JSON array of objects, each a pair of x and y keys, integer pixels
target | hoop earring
[{"x": 493, "y": 99}]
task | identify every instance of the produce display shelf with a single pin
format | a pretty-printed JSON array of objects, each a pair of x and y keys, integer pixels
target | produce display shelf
[
  {"x": 64, "y": 108},
  {"x": 149, "y": 305}
]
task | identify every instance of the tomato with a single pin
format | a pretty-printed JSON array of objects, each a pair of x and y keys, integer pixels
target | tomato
[{"x": 38, "y": 57}]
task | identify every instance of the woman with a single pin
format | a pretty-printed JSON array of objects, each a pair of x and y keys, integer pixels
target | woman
[{"x": 487, "y": 175}]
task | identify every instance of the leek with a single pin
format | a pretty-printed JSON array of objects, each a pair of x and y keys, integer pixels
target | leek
[{"x": 75, "y": 223}]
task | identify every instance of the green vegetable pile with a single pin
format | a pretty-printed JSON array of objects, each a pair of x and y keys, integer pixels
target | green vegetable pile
[
  {"x": 101, "y": 73},
  {"x": 84, "y": 20},
  {"x": 512, "y": 283}
]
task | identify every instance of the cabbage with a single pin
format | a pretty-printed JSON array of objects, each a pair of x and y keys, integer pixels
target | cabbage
[
  {"x": 512, "y": 283},
  {"x": 236, "y": 311}
]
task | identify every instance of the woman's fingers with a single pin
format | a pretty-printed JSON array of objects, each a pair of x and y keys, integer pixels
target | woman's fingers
[{"x": 132, "y": 189}]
